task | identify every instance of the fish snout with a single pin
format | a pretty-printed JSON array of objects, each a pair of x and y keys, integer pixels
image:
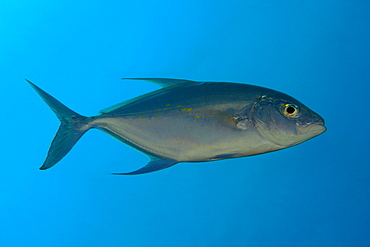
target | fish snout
[{"x": 315, "y": 126}]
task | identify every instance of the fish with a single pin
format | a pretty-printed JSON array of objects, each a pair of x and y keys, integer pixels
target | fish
[{"x": 191, "y": 121}]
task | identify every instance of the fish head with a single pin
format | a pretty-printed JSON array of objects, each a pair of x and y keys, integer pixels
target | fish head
[{"x": 284, "y": 120}]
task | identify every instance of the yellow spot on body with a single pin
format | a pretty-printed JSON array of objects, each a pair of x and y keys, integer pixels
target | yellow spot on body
[
  {"x": 167, "y": 104},
  {"x": 197, "y": 116},
  {"x": 186, "y": 109},
  {"x": 179, "y": 105},
  {"x": 141, "y": 116},
  {"x": 157, "y": 109},
  {"x": 164, "y": 109},
  {"x": 157, "y": 115}
]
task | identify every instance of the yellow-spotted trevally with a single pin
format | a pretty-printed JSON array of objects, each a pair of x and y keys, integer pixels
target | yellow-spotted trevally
[{"x": 189, "y": 121}]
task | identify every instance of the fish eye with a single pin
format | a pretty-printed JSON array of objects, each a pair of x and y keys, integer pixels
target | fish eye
[{"x": 290, "y": 110}]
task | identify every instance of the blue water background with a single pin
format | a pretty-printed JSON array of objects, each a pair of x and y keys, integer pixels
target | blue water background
[{"x": 313, "y": 194}]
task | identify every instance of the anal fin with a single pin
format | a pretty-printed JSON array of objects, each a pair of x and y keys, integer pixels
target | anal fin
[{"x": 155, "y": 164}]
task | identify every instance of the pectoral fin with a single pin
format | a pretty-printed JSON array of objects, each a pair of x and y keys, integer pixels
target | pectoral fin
[
  {"x": 155, "y": 164},
  {"x": 232, "y": 120}
]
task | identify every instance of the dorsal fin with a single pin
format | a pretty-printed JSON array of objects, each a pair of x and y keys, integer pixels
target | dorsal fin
[{"x": 163, "y": 82}]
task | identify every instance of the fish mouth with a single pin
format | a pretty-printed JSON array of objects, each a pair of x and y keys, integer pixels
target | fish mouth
[{"x": 314, "y": 129}]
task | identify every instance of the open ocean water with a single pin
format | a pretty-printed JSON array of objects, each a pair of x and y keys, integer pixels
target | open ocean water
[{"x": 313, "y": 194}]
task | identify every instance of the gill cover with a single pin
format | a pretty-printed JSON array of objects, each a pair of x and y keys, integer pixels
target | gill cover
[{"x": 271, "y": 118}]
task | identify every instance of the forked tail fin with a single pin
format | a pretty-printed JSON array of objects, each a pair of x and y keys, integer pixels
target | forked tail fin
[{"x": 71, "y": 129}]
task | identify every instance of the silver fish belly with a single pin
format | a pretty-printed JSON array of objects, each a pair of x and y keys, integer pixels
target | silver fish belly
[{"x": 188, "y": 121}]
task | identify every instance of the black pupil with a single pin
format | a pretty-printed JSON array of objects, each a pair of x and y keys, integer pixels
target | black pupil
[{"x": 290, "y": 109}]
